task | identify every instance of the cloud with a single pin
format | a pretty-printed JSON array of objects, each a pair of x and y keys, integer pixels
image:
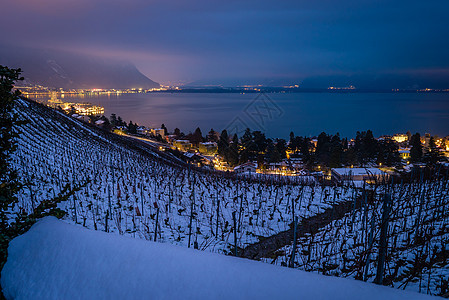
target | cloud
[{"x": 204, "y": 39}]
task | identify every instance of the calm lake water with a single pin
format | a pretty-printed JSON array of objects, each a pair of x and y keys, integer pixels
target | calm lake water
[{"x": 279, "y": 113}]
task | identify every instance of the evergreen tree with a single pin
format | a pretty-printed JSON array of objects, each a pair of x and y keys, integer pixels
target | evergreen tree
[
  {"x": 165, "y": 129},
  {"x": 433, "y": 155},
  {"x": 336, "y": 151},
  {"x": 177, "y": 133},
  {"x": 350, "y": 157},
  {"x": 9, "y": 183},
  {"x": 196, "y": 137},
  {"x": 132, "y": 128},
  {"x": 233, "y": 151},
  {"x": 120, "y": 122},
  {"x": 305, "y": 149},
  {"x": 212, "y": 136},
  {"x": 322, "y": 151},
  {"x": 281, "y": 147},
  {"x": 259, "y": 143},
  {"x": 106, "y": 125},
  {"x": 248, "y": 147},
  {"x": 365, "y": 146},
  {"x": 223, "y": 143},
  {"x": 292, "y": 137},
  {"x": 388, "y": 153},
  {"x": 113, "y": 120},
  {"x": 293, "y": 144},
  {"x": 416, "y": 148},
  {"x": 247, "y": 139},
  {"x": 272, "y": 154}
]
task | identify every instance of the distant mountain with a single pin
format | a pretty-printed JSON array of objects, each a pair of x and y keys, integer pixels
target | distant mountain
[
  {"x": 382, "y": 81},
  {"x": 365, "y": 81},
  {"x": 238, "y": 82},
  {"x": 68, "y": 70}
]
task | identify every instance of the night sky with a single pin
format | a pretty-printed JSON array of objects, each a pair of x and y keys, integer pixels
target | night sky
[{"x": 176, "y": 42}]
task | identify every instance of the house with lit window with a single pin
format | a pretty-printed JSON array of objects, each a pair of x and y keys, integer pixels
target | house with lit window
[
  {"x": 404, "y": 153},
  {"x": 342, "y": 175},
  {"x": 249, "y": 167},
  {"x": 182, "y": 145},
  {"x": 208, "y": 148},
  {"x": 158, "y": 131}
]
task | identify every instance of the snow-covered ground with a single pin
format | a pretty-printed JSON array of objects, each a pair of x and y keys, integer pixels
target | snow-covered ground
[
  {"x": 124, "y": 187},
  {"x": 417, "y": 256},
  {"x": 55, "y": 260},
  {"x": 128, "y": 190}
]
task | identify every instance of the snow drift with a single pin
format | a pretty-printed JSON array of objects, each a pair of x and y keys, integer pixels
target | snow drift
[{"x": 56, "y": 260}]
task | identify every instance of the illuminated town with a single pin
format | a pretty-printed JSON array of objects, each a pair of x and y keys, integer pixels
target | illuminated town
[{"x": 206, "y": 153}]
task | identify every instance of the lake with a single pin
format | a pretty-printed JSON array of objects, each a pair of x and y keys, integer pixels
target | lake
[{"x": 277, "y": 114}]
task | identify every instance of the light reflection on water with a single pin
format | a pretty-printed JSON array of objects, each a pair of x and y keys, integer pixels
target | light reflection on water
[{"x": 304, "y": 113}]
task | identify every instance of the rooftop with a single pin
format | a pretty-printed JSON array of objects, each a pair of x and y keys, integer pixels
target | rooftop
[{"x": 358, "y": 171}]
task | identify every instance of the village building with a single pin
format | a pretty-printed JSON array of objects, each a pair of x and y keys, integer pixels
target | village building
[
  {"x": 342, "y": 175},
  {"x": 425, "y": 141},
  {"x": 83, "y": 118},
  {"x": 158, "y": 131},
  {"x": 142, "y": 130},
  {"x": 404, "y": 153},
  {"x": 208, "y": 148},
  {"x": 400, "y": 138},
  {"x": 182, "y": 145},
  {"x": 170, "y": 138},
  {"x": 249, "y": 167},
  {"x": 99, "y": 123}
]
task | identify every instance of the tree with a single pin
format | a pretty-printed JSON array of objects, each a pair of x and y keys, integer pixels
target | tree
[
  {"x": 120, "y": 122},
  {"x": 9, "y": 184},
  {"x": 349, "y": 157},
  {"x": 106, "y": 125},
  {"x": 132, "y": 128},
  {"x": 260, "y": 142},
  {"x": 416, "y": 148},
  {"x": 113, "y": 120},
  {"x": 433, "y": 155},
  {"x": 165, "y": 129},
  {"x": 247, "y": 146},
  {"x": 281, "y": 147},
  {"x": 294, "y": 143},
  {"x": 305, "y": 146},
  {"x": 233, "y": 151},
  {"x": 322, "y": 151},
  {"x": 388, "y": 152},
  {"x": 9, "y": 180},
  {"x": 177, "y": 133},
  {"x": 223, "y": 143},
  {"x": 212, "y": 136},
  {"x": 329, "y": 150},
  {"x": 196, "y": 137},
  {"x": 247, "y": 138},
  {"x": 272, "y": 154},
  {"x": 365, "y": 146},
  {"x": 336, "y": 151}
]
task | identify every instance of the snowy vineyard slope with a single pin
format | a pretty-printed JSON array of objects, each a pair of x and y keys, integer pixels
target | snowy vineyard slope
[
  {"x": 54, "y": 260},
  {"x": 124, "y": 187},
  {"x": 418, "y": 240},
  {"x": 131, "y": 190}
]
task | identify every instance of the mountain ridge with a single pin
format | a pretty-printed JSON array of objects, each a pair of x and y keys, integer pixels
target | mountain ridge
[{"x": 67, "y": 70}]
